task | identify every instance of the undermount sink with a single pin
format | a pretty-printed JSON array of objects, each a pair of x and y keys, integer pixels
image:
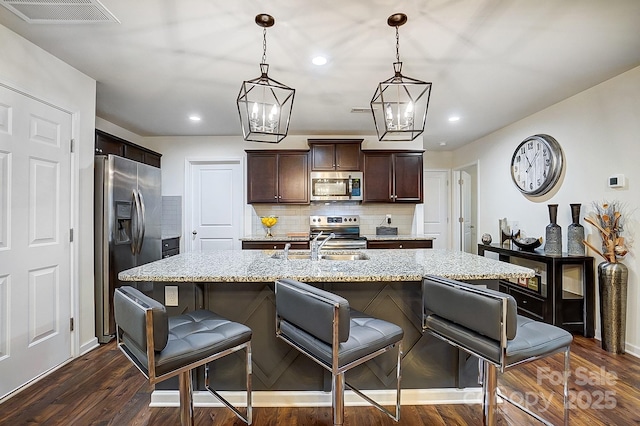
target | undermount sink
[
  {"x": 322, "y": 256},
  {"x": 344, "y": 256}
]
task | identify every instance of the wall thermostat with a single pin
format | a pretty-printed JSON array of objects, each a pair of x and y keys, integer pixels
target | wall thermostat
[{"x": 616, "y": 181}]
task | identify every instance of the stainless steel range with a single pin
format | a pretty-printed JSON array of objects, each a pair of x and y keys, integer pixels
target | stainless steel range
[{"x": 346, "y": 229}]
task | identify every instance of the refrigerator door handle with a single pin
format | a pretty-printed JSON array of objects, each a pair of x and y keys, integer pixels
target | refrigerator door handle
[
  {"x": 136, "y": 233},
  {"x": 142, "y": 222}
]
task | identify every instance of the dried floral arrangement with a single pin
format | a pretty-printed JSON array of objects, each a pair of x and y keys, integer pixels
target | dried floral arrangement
[{"x": 609, "y": 220}]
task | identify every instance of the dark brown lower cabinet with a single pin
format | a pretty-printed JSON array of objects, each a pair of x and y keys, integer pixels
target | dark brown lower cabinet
[
  {"x": 170, "y": 247},
  {"x": 274, "y": 245},
  {"x": 400, "y": 244}
]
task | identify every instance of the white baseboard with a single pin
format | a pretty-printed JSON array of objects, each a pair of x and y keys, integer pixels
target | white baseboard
[
  {"x": 89, "y": 346},
  {"x": 629, "y": 349},
  {"x": 170, "y": 398}
]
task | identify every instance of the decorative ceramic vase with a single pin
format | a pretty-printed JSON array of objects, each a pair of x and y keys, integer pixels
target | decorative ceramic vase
[
  {"x": 553, "y": 240},
  {"x": 575, "y": 234},
  {"x": 612, "y": 286}
]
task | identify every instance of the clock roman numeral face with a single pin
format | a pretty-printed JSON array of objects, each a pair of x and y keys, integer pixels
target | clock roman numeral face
[{"x": 536, "y": 164}]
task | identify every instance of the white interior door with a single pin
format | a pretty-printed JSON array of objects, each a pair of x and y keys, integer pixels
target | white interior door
[
  {"x": 35, "y": 252},
  {"x": 214, "y": 205},
  {"x": 436, "y": 207},
  {"x": 465, "y": 199}
]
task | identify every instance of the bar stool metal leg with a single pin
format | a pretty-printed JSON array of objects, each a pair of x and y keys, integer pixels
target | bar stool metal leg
[
  {"x": 186, "y": 398},
  {"x": 489, "y": 388},
  {"x": 337, "y": 394}
]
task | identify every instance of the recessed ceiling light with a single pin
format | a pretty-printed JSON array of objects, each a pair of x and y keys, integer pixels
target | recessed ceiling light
[
  {"x": 194, "y": 118},
  {"x": 443, "y": 143},
  {"x": 319, "y": 60},
  {"x": 454, "y": 118}
]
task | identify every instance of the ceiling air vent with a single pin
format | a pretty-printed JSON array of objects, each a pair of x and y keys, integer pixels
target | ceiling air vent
[{"x": 60, "y": 12}]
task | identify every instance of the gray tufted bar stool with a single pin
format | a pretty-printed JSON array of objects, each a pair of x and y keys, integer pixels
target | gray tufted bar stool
[
  {"x": 322, "y": 326},
  {"x": 485, "y": 323},
  {"x": 163, "y": 347}
]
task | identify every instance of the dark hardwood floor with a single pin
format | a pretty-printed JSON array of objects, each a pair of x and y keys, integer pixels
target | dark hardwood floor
[{"x": 102, "y": 388}]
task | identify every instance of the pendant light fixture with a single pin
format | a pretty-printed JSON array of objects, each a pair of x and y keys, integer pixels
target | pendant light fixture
[
  {"x": 399, "y": 105},
  {"x": 265, "y": 104}
]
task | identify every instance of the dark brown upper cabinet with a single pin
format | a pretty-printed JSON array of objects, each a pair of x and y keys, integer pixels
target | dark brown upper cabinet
[
  {"x": 278, "y": 176},
  {"x": 335, "y": 154},
  {"x": 393, "y": 176},
  {"x": 108, "y": 144}
]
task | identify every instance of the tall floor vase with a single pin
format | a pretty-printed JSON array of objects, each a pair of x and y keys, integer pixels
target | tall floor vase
[{"x": 612, "y": 284}]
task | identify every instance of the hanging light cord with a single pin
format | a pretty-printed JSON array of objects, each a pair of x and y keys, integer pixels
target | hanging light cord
[
  {"x": 264, "y": 45},
  {"x": 397, "y": 45}
]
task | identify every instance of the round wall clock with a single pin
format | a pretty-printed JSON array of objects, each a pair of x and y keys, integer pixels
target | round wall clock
[{"x": 536, "y": 165}]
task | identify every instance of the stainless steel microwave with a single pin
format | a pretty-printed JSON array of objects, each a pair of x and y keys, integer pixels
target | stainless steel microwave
[{"x": 336, "y": 186}]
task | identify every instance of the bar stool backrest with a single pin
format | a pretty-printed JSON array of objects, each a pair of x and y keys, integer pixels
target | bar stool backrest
[
  {"x": 312, "y": 310},
  {"x": 131, "y": 314}
]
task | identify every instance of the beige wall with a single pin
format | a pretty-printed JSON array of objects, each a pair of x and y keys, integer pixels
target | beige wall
[
  {"x": 30, "y": 69},
  {"x": 598, "y": 130}
]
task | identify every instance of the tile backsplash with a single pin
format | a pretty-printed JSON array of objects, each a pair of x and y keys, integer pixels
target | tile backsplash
[
  {"x": 292, "y": 218},
  {"x": 171, "y": 215}
]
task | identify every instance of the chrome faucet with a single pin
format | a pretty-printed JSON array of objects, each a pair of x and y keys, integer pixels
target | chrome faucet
[
  {"x": 316, "y": 246},
  {"x": 286, "y": 251}
]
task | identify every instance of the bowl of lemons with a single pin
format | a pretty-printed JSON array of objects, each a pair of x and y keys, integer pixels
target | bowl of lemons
[{"x": 269, "y": 222}]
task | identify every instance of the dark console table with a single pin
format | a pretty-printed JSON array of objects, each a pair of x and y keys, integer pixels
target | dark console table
[{"x": 550, "y": 302}]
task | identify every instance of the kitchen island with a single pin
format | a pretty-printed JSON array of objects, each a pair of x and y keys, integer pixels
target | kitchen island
[{"x": 239, "y": 284}]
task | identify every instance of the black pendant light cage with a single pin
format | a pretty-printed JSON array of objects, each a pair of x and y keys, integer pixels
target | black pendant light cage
[
  {"x": 265, "y": 104},
  {"x": 400, "y": 104}
]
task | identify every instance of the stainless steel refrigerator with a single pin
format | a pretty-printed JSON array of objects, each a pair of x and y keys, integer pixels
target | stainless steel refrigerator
[{"x": 128, "y": 215}]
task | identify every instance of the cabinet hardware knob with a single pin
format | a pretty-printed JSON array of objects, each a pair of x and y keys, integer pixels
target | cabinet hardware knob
[
  {"x": 400, "y": 245},
  {"x": 195, "y": 232}
]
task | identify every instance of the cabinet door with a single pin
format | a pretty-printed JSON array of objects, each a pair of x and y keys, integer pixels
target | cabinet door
[
  {"x": 262, "y": 172},
  {"x": 323, "y": 156},
  {"x": 152, "y": 159},
  {"x": 400, "y": 244},
  {"x": 347, "y": 156},
  {"x": 378, "y": 177},
  {"x": 293, "y": 178},
  {"x": 274, "y": 245},
  {"x": 407, "y": 177},
  {"x": 106, "y": 145},
  {"x": 133, "y": 153}
]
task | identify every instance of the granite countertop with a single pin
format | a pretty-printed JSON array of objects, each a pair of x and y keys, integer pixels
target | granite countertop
[
  {"x": 382, "y": 265},
  {"x": 170, "y": 235},
  {"x": 274, "y": 238}
]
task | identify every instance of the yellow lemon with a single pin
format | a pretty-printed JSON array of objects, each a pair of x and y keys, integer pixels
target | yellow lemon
[{"x": 269, "y": 221}]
